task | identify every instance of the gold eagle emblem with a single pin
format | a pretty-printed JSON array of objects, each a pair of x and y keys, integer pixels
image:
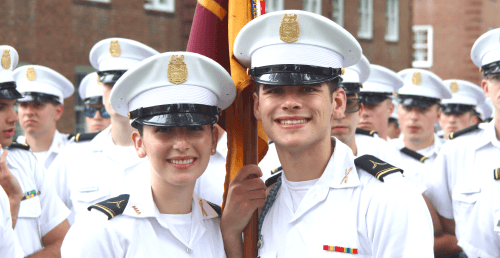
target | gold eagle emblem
[
  {"x": 454, "y": 87},
  {"x": 417, "y": 78},
  {"x": 114, "y": 48},
  {"x": 31, "y": 74},
  {"x": 289, "y": 28},
  {"x": 6, "y": 59},
  {"x": 177, "y": 71}
]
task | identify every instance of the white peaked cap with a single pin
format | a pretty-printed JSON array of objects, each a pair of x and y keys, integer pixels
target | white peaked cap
[
  {"x": 418, "y": 82},
  {"x": 464, "y": 92},
  {"x": 90, "y": 87},
  {"x": 485, "y": 109},
  {"x": 8, "y": 63},
  {"x": 357, "y": 73},
  {"x": 382, "y": 80},
  {"x": 486, "y": 49}
]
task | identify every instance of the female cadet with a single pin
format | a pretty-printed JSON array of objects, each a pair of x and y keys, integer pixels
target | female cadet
[{"x": 173, "y": 99}]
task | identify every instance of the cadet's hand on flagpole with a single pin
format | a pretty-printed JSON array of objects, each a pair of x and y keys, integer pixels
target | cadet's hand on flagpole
[{"x": 11, "y": 187}]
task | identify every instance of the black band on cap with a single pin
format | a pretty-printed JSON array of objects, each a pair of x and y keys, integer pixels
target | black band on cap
[
  {"x": 93, "y": 100},
  {"x": 350, "y": 87},
  {"x": 417, "y": 101},
  {"x": 491, "y": 68},
  {"x": 290, "y": 74},
  {"x": 176, "y": 115},
  {"x": 8, "y": 91},
  {"x": 456, "y": 108},
  {"x": 111, "y": 76},
  {"x": 39, "y": 97},
  {"x": 392, "y": 119},
  {"x": 373, "y": 97}
]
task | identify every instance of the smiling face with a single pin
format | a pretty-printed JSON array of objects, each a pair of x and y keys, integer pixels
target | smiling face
[
  {"x": 298, "y": 117},
  {"x": 37, "y": 118},
  {"x": 417, "y": 124},
  {"x": 8, "y": 119},
  {"x": 345, "y": 128},
  {"x": 178, "y": 155},
  {"x": 455, "y": 122}
]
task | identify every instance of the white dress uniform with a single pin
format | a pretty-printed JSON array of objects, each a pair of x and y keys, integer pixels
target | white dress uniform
[
  {"x": 89, "y": 172},
  {"x": 210, "y": 185},
  {"x": 376, "y": 146},
  {"x": 359, "y": 214},
  {"x": 141, "y": 231},
  {"x": 9, "y": 245},
  {"x": 59, "y": 141},
  {"x": 270, "y": 163},
  {"x": 42, "y": 211}
]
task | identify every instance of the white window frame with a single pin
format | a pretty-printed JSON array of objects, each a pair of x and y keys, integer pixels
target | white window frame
[
  {"x": 392, "y": 16},
  {"x": 421, "y": 45},
  {"x": 338, "y": 12},
  {"x": 274, "y": 5},
  {"x": 155, "y": 5},
  {"x": 313, "y": 6},
  {"x": 100, "y": 1},
  {"x": 365, "y": 26}
]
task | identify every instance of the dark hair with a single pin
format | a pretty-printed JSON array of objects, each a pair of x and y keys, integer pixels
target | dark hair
[{"x": 332, "y": 86}]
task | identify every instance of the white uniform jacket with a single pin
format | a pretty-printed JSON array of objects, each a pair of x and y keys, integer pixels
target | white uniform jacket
[
  {"x": 42, "y": 212},
  {"x": 9, "y": 246},
  {"x": 378, "y": 219},
  {"x": 90, "y": 172},
  {"x": 461, "y": 169},
  {"x": 416, "y": 170},
  {"x": 59, "y": 141},
  {"x": 482, "y": 233},
  {"x": 140, "y": 232},
  {"x": 210, "y": 185},
  {"x": 376, "y": 146}
]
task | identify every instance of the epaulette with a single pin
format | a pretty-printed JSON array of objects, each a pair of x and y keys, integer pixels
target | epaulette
[
  {"x": 376, "y": 167},
  {"x": 496, "y": 173},
  {"x": 365, "y": 132},
  {"x": 414, "y": 154},
  {"x": 270, "y": 181},
  {"x": 71, "y": 136},
  {"x": 113, "y": 206},
  {"x": 463, "y": 131},
  {"x": 216, "y": 208},
  {"x": 276, "y": 170},
  {"x": 22, "y": 146},
  {"x": 85, "y": 137}
]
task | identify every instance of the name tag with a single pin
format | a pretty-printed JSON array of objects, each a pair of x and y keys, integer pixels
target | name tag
[{"x": 87, "y": 189}]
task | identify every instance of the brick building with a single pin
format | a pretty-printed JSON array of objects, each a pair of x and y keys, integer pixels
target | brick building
[
  {"x": 445, "y": 31},
  {"x": 60, "y": 33}
]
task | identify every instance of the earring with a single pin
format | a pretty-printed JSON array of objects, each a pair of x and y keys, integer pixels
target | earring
[{"x": 213, "y": 150}]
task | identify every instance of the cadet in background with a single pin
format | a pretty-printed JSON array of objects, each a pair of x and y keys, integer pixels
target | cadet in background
[{"x": 96, "y": 116}]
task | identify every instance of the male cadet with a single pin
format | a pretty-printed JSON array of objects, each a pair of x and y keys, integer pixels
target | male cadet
[
  {"x": 37, "y": 214},
  {"x": 344, "y": 128},
  {"x": 376, "y": 96},
  {"x": 459, "y": 112},
  {"x": 96, "y": 116},
  {"x": 465, "y": 165},
  {"x": 100, "y": 168},
  {"x": 43, "y": 91},
  {"x": 324, "y": 201},
  {"x": 393, "y": 131}
]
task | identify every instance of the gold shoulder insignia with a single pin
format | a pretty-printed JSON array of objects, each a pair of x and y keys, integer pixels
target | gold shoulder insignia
[
  {"x": 113, "y": 206},
  {"x": 380, "y": 170},
  {"x": 496, "y": 173}
]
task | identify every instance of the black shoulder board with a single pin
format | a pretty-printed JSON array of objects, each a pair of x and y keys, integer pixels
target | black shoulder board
[
  {"x": 113, "y": 206},
  {"x": 463, "y": 131},
  {"x": 365, "y": 132},
  {"x": 271, "y": 142},
  {"x": 376, "y": 167},
  {"x": 71, "y": 136},
  {"x": 276, "y": 170},
  {"x": 496, "y": 173},
  {"x": 215, "y": 207},
  {"x": 270, "y": 181},
  {"x": 85, "y": 137},
  {"x": 414, "y": 154},
  {"x": 22, "y": 146}
]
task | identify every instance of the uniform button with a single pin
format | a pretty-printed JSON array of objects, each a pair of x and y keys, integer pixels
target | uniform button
[{"x": 189, "y": 251}]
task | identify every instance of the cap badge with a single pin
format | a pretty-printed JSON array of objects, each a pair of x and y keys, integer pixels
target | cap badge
[
  {"x": 177, "y": 71},
  {"x": 98, "y": 82},
  {"x": 342, "y": 71},
  {"x": 289, "y": 28},
  {"x": 6, "y": 59},
  {"x": 454, "y": 87},
  {"x": 417, "y": 78},
  {"x": 30, "y": 74},
  {"x": 114, "y": 48}
]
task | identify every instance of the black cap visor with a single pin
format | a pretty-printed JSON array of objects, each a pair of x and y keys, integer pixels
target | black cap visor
[
  {"x": 371, "y": 98},
  {"x": 456, "y": 108},
  {"x": 39, "y": 97},
  {"x": 294, "y": 74},
  {"x": 417, "y": 101},
  {"x": 491, "y": 68},
  {"x": 110, "y": 77},
  {"x": 350, "y": 87},
  {"x": 175, "y": 115},
  {"x": 93, "y": 100},
  {"x": 8, "y": 91}
]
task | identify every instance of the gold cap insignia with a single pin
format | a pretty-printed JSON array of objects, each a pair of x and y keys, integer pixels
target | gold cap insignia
[
  {"x": 342, "y": 71},
  {"x": 480, "y": 69},
  {"x": 98, "y": 82},
  {"x": 177, "y": 71},
  {"x": 128, "y": 114},
  {"x": 454, "y": 87},
  {"x": 114, "y": 48},
  {"x": 6, "y": 59},
  {"x": 417, "y": 78},
  {"x": 289, "y": 28},
  {"x": 30, "y": 74}
]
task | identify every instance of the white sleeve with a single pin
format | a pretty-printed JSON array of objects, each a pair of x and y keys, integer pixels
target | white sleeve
[
  {"x": 9, "y": 247},
  {"x": 438, "y": 189},
  {"x": 399, "y": 222}
]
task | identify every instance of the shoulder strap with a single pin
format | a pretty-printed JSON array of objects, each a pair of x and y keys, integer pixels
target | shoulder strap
[
  {"x": 496, "y": 173},
  {"x": 276, "y": 170},
  {"x": 271, "y": 142},
  {"x": 414, "y": 154},
  {"x": 71, "y": 136},
  {"x": 365, "y": 132},
  {"x": 22, "y": 146},
  {"x": 376, "y": 167},
  {"x": 113, "y": 206},
  {"x": 85, "y": 137},
  {"x": 216, "y": 207},
  {"x": 270, "y": 181},
  {"x": 463, "y": 131}
]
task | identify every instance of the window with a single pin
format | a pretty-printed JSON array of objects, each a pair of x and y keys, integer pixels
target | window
[
  {"x": 365, "y": 21},
  {"x": 160, "y": 5},
  {"x": 313, "y": 6},
  {"x": 422, "y": 46},
  {"x": 338, "y": 12},
  {"x": 274, "y": 5},
  {"x": 392, "y": 20}
]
